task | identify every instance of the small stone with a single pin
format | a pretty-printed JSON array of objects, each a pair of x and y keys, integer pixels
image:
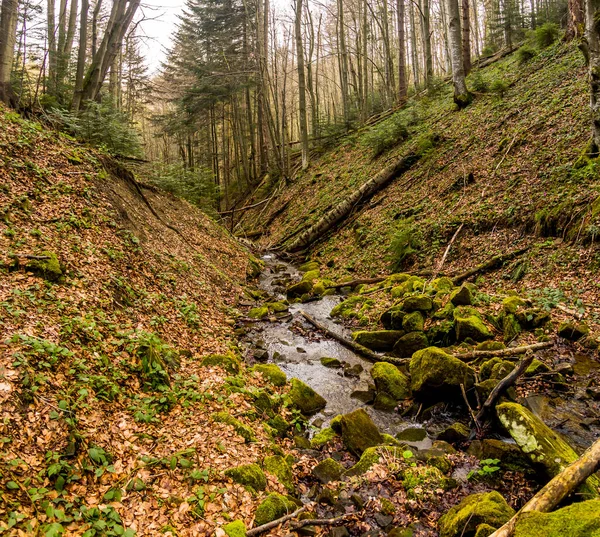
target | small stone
[
  {"x": 333, "y": 363},
  {"x": 364, "y": 396},
  {"x": 383, "y": 521}
]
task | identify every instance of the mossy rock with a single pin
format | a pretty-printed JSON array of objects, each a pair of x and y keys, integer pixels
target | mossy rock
[
  {"x": 263, "y": 402},
  {"x": 332, "y": 363},
  {"x": 309, "y": 266},
  {"x": 485, "y": 388},
  {"x": 412, "y": 434},
  {"x": 535, "y": 368},
  {"x": 336, "y": 424},
  {"x": 311, "y": 276},
  {"x": 512, "y": 304},
  {"x": 258, "y": 313},
  {"x": 297, "y": 290},
  {"x": 510, "y": 455},
  {"x": 413, "y": 322},
  {"x": 490, "y": 346},
  {"x": 501, "y": 369},
  {"x": 410, "y": 343},
  {"x": 249, "y": 475},
  {"x": 573, "y": 331},
  {"x": 484, "y": 530},
  {"x": 305, "y": 398},
  {"x": 389, "y": 440},
  {"x": 461, "y": 296},
  {"x": 369, "y": 458},
  {"x": 280, "y": 425},
  {"x": 328, "y": 470},
  {"x": 442, "y": 334},
  {"x": 385, "y": 402},
  {"x": 545, "y": 447},
  {"x": 510, "y": 327},
  {"x": 390, "y": 380},
  {"x": 412, "y": 284},
  {"x": 436, "y": 375},
  {"x": 392, "y": 318},
  {"x": 235, "y": 529},
  {"x": 49, "y": 268},
  {"x": 455, "y": 433},
  {"x": 322, "y": 437},
  {"x": 319, "y": 288},
  {"x": 483, "y": 508},
  {"x": 417, "y": 478},
  {"x": 445, "y": 312},
  {"x": 243, "y": 430},
  {"x": 421, "y": 303},
  {"x": 443, "y": 284},
  {"x": 301, "y": 442},
  {"x": 485, "y": 371},
  {"x": 469, "y": 324},
  {"x": 359, "y": 432},
  {"x": 272, "y": 373},
  {"x": 274, "y": 506},
  {"x": 352, "y": 308},
  {"x": 577, "y": 520},
  {"x": 279, "y": 467},
  {"x": 227, "y": 362},
  {"x": 379, "y": 340},
  {"x": 254, "y": 268}
]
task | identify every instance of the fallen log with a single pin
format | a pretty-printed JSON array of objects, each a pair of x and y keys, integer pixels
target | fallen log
[
  {"x": 501, "y": 387},
  {"x": 341, "y": 211},
  {"x": 558, "y": 488},
  {"x": 319, "y": 522},
  {"x": 454, "y": 237},
  {"x": 352, "y": 345},
  {"x": 490, "y": 264},
  {"x": 270, "y": 525},
  {"x": 246, "y": 208},
  {"x": 514, "y": 351}
]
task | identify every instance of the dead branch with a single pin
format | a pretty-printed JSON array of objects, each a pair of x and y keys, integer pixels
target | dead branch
[
  {"x": 466, "y": 399},
  {"x": 246, "y": 208},
  {"x": 319, "y": 522},
  {"x": 574, "y": 313},
  {"x": 558, "y": 488},
  {"x": 270, "y": 525},
  {"x": 490, "y": 264},
  {"x": 436, "y": 271},
  {"x": 514, "y": 351}
]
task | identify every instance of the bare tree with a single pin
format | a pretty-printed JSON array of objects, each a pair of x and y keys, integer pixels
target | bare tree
[
  {"x": 8, "y": 37},
  {"x": 301, "y": 85},
  {"x": 592, "y": 27},
  {"x": 462, "y": 97}
]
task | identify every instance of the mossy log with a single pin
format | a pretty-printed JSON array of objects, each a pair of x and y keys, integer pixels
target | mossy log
[
  {"x": 490, "y": 264},
  {"x": 514, "y": 351},
  {"x": 273, "y": 524},
  {"x": 341, "y": 211},
  {"x": 558, "y": 488}
]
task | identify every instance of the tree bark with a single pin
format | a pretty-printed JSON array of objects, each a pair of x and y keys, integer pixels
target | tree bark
[
  {"x": 8, "y": 37},
  {"x": 81, "y": 57},
  {"x": 301, "y": 85},
  {"x": 592, "y": 9},
  {"x": 52, "y": 49},
  {"x": 343, "y": 55},
  {"x": 466, "y": 37},
  {"x": 402, "y": 82},
  {"x": 462, "y": 97},
  {"x": 426, "y": 25},
  {"x": 575, "y": 18}
]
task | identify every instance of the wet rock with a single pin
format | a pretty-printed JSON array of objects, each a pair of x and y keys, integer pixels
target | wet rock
[
  {"x": 412, "y": 434},
  {"x": 353, "y": 371},
  {"x": 545, "y": 447},
  {"x": 296, "y": 290},
  {"x": 273, "y": 507},
  {"x": 461, "y": 296},
  {"x": 249, "y": 475},
  {"x": 389, "y": 380},
  {"x": 328, "y": 470},
  {"x": 380, "y": 340},
  {"x": 385, "y": 402},
  {"x": 593, "y": 392},
  {"x": 413, "y": 322},
  {"x": 457, "y": 433},
  {"x": 272, "y": 373},
  {"x": 392, "y": 318},
  {"x": 300, "y": 350},
  {"x": 332, "y": 363},
  {"x": 359, "y": 432},
  {"x": 410, "y": 343},
  {"x": 469, "y": 324},
  {"x": 483, "y": 508},
  {"x": 436, "y": 375},
  {"x": 510, "y": 455},
  {"x": 364, "y": 396},
  {"x": 577, "y": 520},
  {"x": 421, "y": 303},
  {"x": 573, "y": 331},
  {"x": 305, "y": 398}
]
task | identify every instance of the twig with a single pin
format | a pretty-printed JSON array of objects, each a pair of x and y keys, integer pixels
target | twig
[
  {"x": 464, "y": 394},
  {"x": 436, "y": 271},
  {"x": 270, "y": 525},
  {"x": 511, "y": 351},
  {"x": 507, "y": 151},
  {"x": 319, "y": 522},
  {"x": 246, "y": 208},
  {"x": 491, "y": 264}
]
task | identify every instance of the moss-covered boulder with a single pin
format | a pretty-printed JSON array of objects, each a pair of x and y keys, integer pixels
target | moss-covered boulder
[
  {"x": 322, "y": 437},
  {"x": 484, "y": 530},
  {"x": 296, "y": 290},
  {"x": 228, "y": 362},
  {"x": 490, "y": 346},
  {"x": 258, "y": 313},
  {"x": 249, "y": 475},
  {"x": 272, "y": 373},
  {"x": 442, "y": 285},
  {"x": 410, "y": 343},
  {"x": 469, "y": 324},
  {"x": 415, "y": 479},
  {"x": 501, "y": 369},
  {"x": 510, "y": 327},
  {"x": 545, "y": 447},
  {"x": 308, "y": 266},
  {"x": 455, "y": 433},
  {"x": 413, "y": 322},
  {"x": 305, "y": 398},
  {"x": 577, "y": 520},
  {"x": 417, "y": 303},
  {"x": 280, "y": 425},
  {"x": 390, "y": 380},
  {"x": 442, "y": 334},
  {"x": 359, "y": 432},
  {"x": 485, "y": 371},
  {"x": 385, "y": 402},
  {"x": 436, "y": 375},
  {"x": 535, "y": 368},
  {"x": 46, "y": 265},
  {"x": 573, "y": 331},
  {"x": 328, "y": 470},
  {"x": 513, "y": 304},
  {"x": 412, "y": 284},
  {"x": 392, "y": 318},
  {"x": 485, "y": 388},
  {"x": 279, "y": 467},
  {"x": 370, "y": 457},
  {"x": 332, "y": 363},
  {"x": 461, "y": 296},
  {"x": 354, "y": 307},
  {"x": 235, "y": 529},
  {"x": 243, "y": 430},
  {"x": 379, "y": 340},
  {"x": 483, "y": 508},
  {"x": 274, "y": 506}
]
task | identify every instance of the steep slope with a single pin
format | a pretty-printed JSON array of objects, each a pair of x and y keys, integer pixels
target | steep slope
[
  {"x": 503, "y": 167},
  {"x": 111, "y": 294}
]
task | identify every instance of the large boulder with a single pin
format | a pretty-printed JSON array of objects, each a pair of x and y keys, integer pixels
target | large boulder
[
  {"x": 461, "y": 296},
  {"x": 577, "y": 520},
  {"x": 249, "y": 475},
  {"x": 469, "y": 324},
  {"x": 390, "y": 380},
  {"x": 274, "y": 506},
  {"x": 392, "y": 318},
  {"x": 545, "y": 447},
  {"x": 483, "y": 508},
  {"x": 436, "y": 375},
  {"x": 417, "y": 303},
  {"x": 296, "y": 290},
  {"x": 410, "y": 343},
  {"x": 413, "y": 322},
  {"x": 305, "y": 398},
  {"x": 359, "y": 432},
  {"x": 379, "y": 340}
]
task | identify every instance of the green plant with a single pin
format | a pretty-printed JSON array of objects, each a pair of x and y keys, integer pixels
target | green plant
[
  {"x": 525, "y": 53},
  {"x": 156, "y": 357},
  {"x": 478, "y": 83},
  {"x": 547, "y": 298},
  {"x": 499, "y": 87},
  {"x": 546, "y": 34},
  {"x": 488, "y": 468},
  {"x": 405, "y": 243},
  {"x": 386, "y": 134}
]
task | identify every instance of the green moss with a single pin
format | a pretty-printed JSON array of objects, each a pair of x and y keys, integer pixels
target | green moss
[
  {"x": 228, "y": 362},
  {"x": 333, "y": 363},
  {"x": 501, "y": 369},
  {"x": 457, "y": 432},
  {"x": 577, "y": 520},
  {"x": 392, "y": 318},
  {"x": 485, "y": 387},
  {"x": 328, "y": 470},
  {"x": 417, "y": 303},
  {"x": 336, "y": 424},
  {"x": 305, "y": 398},
  {"x": 311, "y": 276},
  {"x": 368, "y": 459},
  {"x": 410, "y": 343},
  {"x": 442, "y": 334},
  {"x": 510, "y": 455},
  {"x": 49, "y": 268},
  {"x": 273, "y": 507},
  {"x": 535, "y": 368},
  {"x": 573, "y": 331},
  {"x": 446, "y": 312},
  {"x": 443, "y": 284},
  {"x": 359, "y": 432},
  {"x": 297, "y": 290},
  {"x": 235, "y": 529},
  {"x": 384, "y": 402},
  {"x": 469, "y": 324},
  {"x": 484, "y": 530},
  {"x": 279, "y": 424},
  {"x": 413, "y": 283},
  {"x": 512, "y": 304},
  {"x": 272, "y": 373},
  {"x": 322, "y": 437},
  {"x": 413, "y": 322},
  {"x": 474, "y": 510},
  {"x": 389, "y": 440},
  {"x": 461, "y": 296},
  {"x": 380, "y": 340},
  {"x": 308, "y": 266},
  {"x": 353, "y": 307},
  {"x": 243, "y": 430},
  {"x": 485, "y": 371},
  {"x": 254, "y": 268},
  {"x": 390, "y": 380},
  {"x": 510, "y": 327},
  {"x": 417, "y": 478},
  {"x": 278, "y": 466},
  {"x": 248, "y": 475},
  {"x": 490, "y": 346}
]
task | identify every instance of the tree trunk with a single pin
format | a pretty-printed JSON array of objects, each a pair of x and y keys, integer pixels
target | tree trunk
[
  {"x": 402, "y": 82},
  {"x": 81, "y": 57},
  {"x": 343, "y": 54},
  {"x": 462, "y": 97},
  {"x": 592, "y": 8},
  {"x": 301, "y": 85},
  {"x": 574, "y": 20},
  {"x": 8, "y": 37},
  {"x": 52, "y": 59},
  {"x": 466, "y": 37},
  {"x": 426, "y": 19}
]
